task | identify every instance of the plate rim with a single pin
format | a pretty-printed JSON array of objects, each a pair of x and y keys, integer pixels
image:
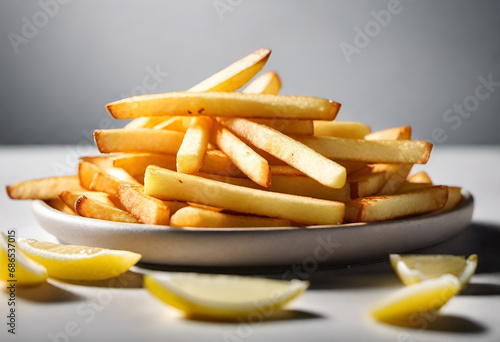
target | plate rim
[{"x": 40, "y": 207}]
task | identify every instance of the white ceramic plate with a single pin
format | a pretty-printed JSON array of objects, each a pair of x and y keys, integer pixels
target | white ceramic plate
[{"x": 238, "y": 247}]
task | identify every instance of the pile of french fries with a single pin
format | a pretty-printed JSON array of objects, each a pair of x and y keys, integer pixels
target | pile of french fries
[{"x": 213, "y": 157}]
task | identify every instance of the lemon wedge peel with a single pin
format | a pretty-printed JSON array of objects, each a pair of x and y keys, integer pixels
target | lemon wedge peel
[
  {"x": 26, "y": 271},
  {"x": 414, "y": 268},
  {"x": 71, "y": 262},
  {"x": 423, "y": 297},
  {"x": 165, "y": 288}
]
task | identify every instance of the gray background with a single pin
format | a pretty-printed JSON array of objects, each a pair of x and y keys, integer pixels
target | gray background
[{"x": 427, "y": 58}]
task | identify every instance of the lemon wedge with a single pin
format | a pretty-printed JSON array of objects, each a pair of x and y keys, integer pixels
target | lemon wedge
[
  {"x": 423, "y": 297},
  {"x": 222, "y": 296},
  {"x": 72, "y": 262},
  {"x": 414, "y": 268},
  {"x": 25, "y": 270}
]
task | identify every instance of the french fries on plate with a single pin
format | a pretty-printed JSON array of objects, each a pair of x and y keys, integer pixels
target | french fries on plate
[{"x": 213, "y": 157}]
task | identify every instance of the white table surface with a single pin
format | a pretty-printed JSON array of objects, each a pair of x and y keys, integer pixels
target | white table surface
[{"x": 334, "y": 308}]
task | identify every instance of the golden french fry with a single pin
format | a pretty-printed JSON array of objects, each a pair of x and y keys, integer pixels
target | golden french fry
[
  {"x": 197, "y": 217},
  {"x": 236, "y": 75},
  {"x": 57, "y": 204},
  {"x": 267, "y": 83},
  {"x": 408, "y": 187},
  {"x": 395, "y": 175},
  {"x": 194, "y": 145},
  {"x": 225, "y": 104},
  {"x": 288, "y": 126},
  {"x": 231, "y": 78},
  {"x": 281, "y": 146},
  {"x": 217, "y": 162},
  {"x": 92, "y": 208},
  {"x": 103, "y": 161},
  {"x": 144, "y": 208},
  {"x": 122, "y": 175},
  {"x": 378, "y": 151},
  {"x": 382, "y": 208},
  {"x": 247, "y": 160},
  {"x": 136, "y": 163},
  {"x": 145, "y": 122},
  {"x": 69, "y": 197},
  {"x": 93, "y": 178},
  {"x": 43, "y": 188},
  {"x": 341, "y": 129},
  {"x": 138, "y": 140},
  {"x": 293, "y": 185},
  {"x": 175, "y": 123},
  {"x": 454, "y": 197},
  {"x": 366, "y": 184},
  {"x": 420, "y": 177},
  {"x": 170, "y": 185},
  {"x": 203, "y": 206},
  {"x": 396, "y": 133}
]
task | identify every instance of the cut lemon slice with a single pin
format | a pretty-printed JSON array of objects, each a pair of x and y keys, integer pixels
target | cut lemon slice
[
  {"x": 423, "y": 297},
  {"x": 78, "y": 262},
  {"x": 17, "y": 267},
  {"x": 222, "y": 296},
  {"x": 414, "y": 268}
]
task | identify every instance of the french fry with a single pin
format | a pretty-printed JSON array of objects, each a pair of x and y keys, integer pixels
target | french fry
[
  {"x": 145, "y": 122},
  {"x": 92, "y": 208},
  {"x": 122, "y": 175},
  {"x": 138, "y": 140},
  {"x": 136, "y": 163},
  {"x": 144, "y": 208},
  {"x": 267, "y": 83},
  {"x": 409, "y": 187},
  {"x": 396, "y": 133},
  {"x": 229, "y": 79},
  {"x": 175, "y": 123},
  {"x": 454, "y": 197},
  {"x": 203, "y": 206},
  {"x": 366, "y": 184},
  {"x": 225, "y": 104},
  {"x": 217, "y": 162},
  {"x": 293, "y": 185},
  {"x": 379, "y": 151},
  {"x": 341, "y": 129},
  {"x": 103, "y": 162},
  {"x": 69, "y": 197},
  {"x": 57, "y": 204},
  {"x": 420, "y": 177},
  {"x": 292, "y": 152},
  {"x": 93, "y": 178},
  {"x": 170, "y": 185},
  {"x": 288, "y": 126},
  {"x": 246, "y": 159},
  {"x": 43, "y": 188},
  {"x": 236, "y": 75},
  {"x": 194, "y": 145},
  {"x": 197, "y": 217},
  {"x": 382, "y": 208},
  {"x": 395, "y": 176}
]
